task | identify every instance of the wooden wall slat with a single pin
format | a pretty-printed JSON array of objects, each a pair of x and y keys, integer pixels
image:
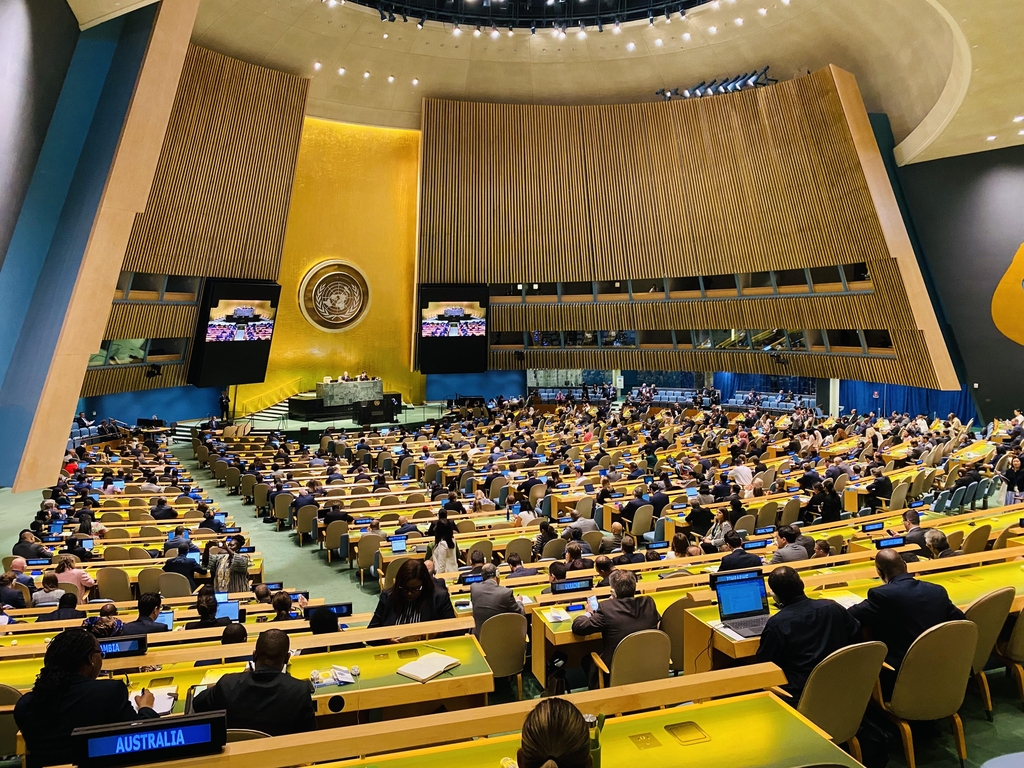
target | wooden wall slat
[
  {"x": 151, "y": 321},
  {"x": 219, "y": 200},
  {"x": 762, "y": 179},
  {"x": 103, "y": 381}
]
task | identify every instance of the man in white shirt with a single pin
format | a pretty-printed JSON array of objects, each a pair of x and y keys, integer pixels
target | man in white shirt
[{"x": 741, "y": 474}]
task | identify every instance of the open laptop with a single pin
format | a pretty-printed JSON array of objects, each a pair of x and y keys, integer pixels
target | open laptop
[{"x": 742, "y": 602}]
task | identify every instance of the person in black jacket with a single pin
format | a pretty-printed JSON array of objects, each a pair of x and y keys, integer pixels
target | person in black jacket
[
  {"x": 699, "y": 518},
  {"x": 413, "y": 598},
  {"x": 206, "y": 607},
  {"x": 831, "y": 506},
  {"x": 880, "y": 488},
  {"x": 629, "y": 509},
  {"x": 738, "y": 557},
  {"x": 185, "y": 566},
  {"x": 66, "y": 609},
  {"x": 265, "y": 698},
  {"x": 149, "y": 609},
  {"x": 901, "y": 609},
  {"x": 67, "y": 695},
  {"x": 9, "y": 594}
]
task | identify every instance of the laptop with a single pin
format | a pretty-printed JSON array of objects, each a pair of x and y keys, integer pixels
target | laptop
[
  {"x": 588, "y": 488},
  {"x": 398, "y": 545},
  {"x": 195, "y": 557},
  {"x": 87, "y": 544},
  {"x": 57, "y": 527},
  {"x": 166, "y": 618},
  {"x": 743, "y": 602}
]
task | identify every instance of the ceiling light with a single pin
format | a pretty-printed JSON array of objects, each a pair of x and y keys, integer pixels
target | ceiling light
[
  {"x": 455, "y": 29},
  {"x": 991, "y": 138},
  {"x": 366, "y": 74},
  {"x": 494, "y": 32},
  {"x": 385, "y": 35},
  {"x": 476, "y": 32},
  {"x": 617, "y": 28},
  {"x": 739, "y": 22},
  {"x": 422, "y": 24},
  {"x": 686, "y": 36},
  {"x": 630, "y": 45},
  {"x": 712, "y": 30},
  {"x": 714, "y": 4},
  {"x": 341, "y": 70},
  {"x": 1020, "y": 133},
  {"x": 1019, "y": 119},
  {"x": 600, "y": 25},
  {"x": 316, "y": 65},
  {"x": 415, "y": 81},
  {"x": 658, "y": 42},
  {"x": 331, "y": 3},
  {"x": 561, "y": 33},
  {"x": 533, "y": 27},
  {"x": 785, "y": 2},
  {"x": 763, "y": 11},
  {"x": 583, "y": 31},
  {"x": 511, "y": 31},
  {"x": 668, "y": 15},
  {"x": 391, "y": 78}
]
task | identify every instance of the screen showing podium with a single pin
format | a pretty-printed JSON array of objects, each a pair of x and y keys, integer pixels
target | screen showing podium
[{"x": 453, "y": 328}]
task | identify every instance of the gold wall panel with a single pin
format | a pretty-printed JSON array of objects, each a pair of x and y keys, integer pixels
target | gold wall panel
[
  {"x": 782, "y": 177},
  {"x": 354, "y": 199},
  {"x": 104, "y": 381},
  {"x": 219, "y": 200}
]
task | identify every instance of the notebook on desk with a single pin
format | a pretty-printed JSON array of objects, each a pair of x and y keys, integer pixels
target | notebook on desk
[{"x": 428, "y": 667}]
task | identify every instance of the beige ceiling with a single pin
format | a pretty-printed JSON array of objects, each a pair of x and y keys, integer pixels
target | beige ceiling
[
  {"x": 937, "y": 67},
  {"x": 92, "y": 12}
]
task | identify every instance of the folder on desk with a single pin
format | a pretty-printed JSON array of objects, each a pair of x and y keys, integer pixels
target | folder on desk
[
  {"x": 163, "y": 698},
  {"x": 428, "y": 667}
]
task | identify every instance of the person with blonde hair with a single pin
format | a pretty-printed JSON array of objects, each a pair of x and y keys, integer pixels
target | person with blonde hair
[
  {"x": 555, "y": 735},
  {"x": 77, "y": 579}
]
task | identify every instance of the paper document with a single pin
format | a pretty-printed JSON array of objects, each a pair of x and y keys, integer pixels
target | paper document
[
  {"x": 557, "y": 614},
  {"x": 718, "y": 626},
  {"x": 163, "y": 698},
  {"x": 213, "y": 675},
  {"x": 428, "y": 667},
  {"x": 846, "y": 599}
]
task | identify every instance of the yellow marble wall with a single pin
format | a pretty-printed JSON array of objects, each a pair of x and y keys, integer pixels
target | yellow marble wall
[{"x": 354, "y": 199}]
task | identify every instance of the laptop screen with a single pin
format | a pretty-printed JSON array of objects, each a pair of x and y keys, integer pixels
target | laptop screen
[
  {"x": 87, "y": 544},
  {"x": 195, "y": 557},
  {"x": 398, "y": 545},
  {"x": 228, "y": 609},
  {"x": 742, "y": 596},
  {"x": 57, "y": 526},
  {"x": 166, "y": 618}
]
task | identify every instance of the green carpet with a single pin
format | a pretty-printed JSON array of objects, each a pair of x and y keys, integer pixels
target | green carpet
[{"x": 306, "y": 567}]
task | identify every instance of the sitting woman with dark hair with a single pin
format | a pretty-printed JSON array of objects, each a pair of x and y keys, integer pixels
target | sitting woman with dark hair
[
  {"x": 67, "y": 695},
  {"x": 555, "y": 735},
  {"x": 413, "y": 598}
]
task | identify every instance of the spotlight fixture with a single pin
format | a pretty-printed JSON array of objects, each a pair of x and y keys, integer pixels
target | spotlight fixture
[
  {"x": 754, "y": 79},
  {"x": 617, "y": 28},
  {"x": 391, "y": 16},
  {"x": 405, "y": 18},
  {"x": 341, "y": 70},
  {"x": 422, "y": 22},
  {"x": 494, "y": 32},
  {"x": 583, "y": 31},
  {"x": 650, "y": 18},
  {"x": 391, "y": 78},
  {"x": 511, "y": 31},
  {"x": 533, "y": 27},
  {"x": 415, "y": 81},
  {"x": 455, "y": 29},
  {"x": 476, "y": 32},
  {"x": 668, "y": 15},
  {"x": 600, "y": 26},
  {"x": 630, "y": 45},
  {"x": 153, "y": 371},
  {"x": 380, "y": 10}
]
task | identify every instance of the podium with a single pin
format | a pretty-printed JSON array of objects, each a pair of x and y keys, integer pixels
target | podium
[{"x": 348, "y": 392}]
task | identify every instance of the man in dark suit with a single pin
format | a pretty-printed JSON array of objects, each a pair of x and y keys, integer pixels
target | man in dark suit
[
  {"x": 265, "y": 698},
  {"x": 179, "y": 539},
  {"x": 629, "y": 554},
  {"x": 628, "y": 510},
  {"x": 938, "y": 546},
  {"x": 149, "y": 609},
  {"x": 9, "y": 594},
  {"x": 619, "y": 617},
  {"x": 47, "y": 717},
  {"x": 515, "y": 562},
  {"x": 162, "y": 511},
  {"x": 476, "y": 562},
  {"x": 913, "y": 532},
  {"x": 804, "y": 632},
  {"x": 901, "y": 609},
  {"x": 66, "y": 609},
  {"x": 489, "y": 598},
  {"x": 659, "y": 500},
  {"x": 880, "y": 488},
  {"x": 185, "y": 566},
  {"x": 738, "y": 557}
]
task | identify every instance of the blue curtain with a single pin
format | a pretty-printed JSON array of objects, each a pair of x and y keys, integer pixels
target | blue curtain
[
  {"x": 933, "y": 403},
  {"x": 726, "y": 384}
]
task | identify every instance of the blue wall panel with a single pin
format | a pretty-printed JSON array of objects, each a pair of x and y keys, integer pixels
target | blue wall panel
[
  {"x": 56, "y": 220},
  {"x": 447, "y": 386},
  {"x": 170, "y": 404},
  {"x": 933, "y": 403}
]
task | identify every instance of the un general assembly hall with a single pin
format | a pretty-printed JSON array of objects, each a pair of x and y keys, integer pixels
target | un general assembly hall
[{"x": 512, "y": 383}]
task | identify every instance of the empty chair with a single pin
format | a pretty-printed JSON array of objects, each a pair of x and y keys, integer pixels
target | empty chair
[
  {"x": 522, "y": 547},
  {"x": 138, "y": 553},
  {"x": 112, "y": 517},
  {"x": 642, "y": 521},
  {"x": 484, "y": 546},
  {"x": 956, "y": 500},
  {"x": 245, "y": 734},
  {"x": 585, "y": 507},
  {"x": 113, "y": 584},
  {"x": 745, "y": 523},
  {"x": 282, "y": 510},
  {"x": 466, "y": 526},
  {"x": 835, "y": 544},
  {"x": 366, "y": 553},
  {"x": 672, "y": 625},
  {"x": 989, "y": 613},
  {"x": 135, "y": 513},
  {"x": 245, "y": 487},
  {"x": 173, "y": 585},
  {"x": 389, "y": 517},
  {"x": 594, "y": 539},
  {"x": 422, "y": 514},
  {"x": 955, "y": 539},
  {"x": 940, "y": 503},
  {"x": 359, "y": 504},
  {"x": 554, "y": 548},
  {"x": 767, "y": 514},
  {"x": 415, "y": 498},
  {"x": 898, "y": 500},
  {"x": 116, "y": 553},
  {"x": 838, "y": 690},
  {"x": 921, "y": 694},
  {"x": 8, "y": 728},
  {"x": 336, "y": 539},
  {"x": 976, "y": 540},
  {"x": 389, "y": 501},
  {"x": 639, "y": 658},
  {"x": 307, "y": 522},
  {"x": 150, "y": 532},
  {"x": 790, "y": 512},
  {"x": 503, "y": 639},
  {"x": 116, "y": 534},
  {"x": 1011, "y": 653}
]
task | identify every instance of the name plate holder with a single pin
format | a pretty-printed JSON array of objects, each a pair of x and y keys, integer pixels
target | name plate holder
[{"x": 147, "y": 741}]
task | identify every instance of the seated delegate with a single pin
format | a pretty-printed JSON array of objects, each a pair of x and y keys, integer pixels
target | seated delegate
[{"x": 415, "y": 597}]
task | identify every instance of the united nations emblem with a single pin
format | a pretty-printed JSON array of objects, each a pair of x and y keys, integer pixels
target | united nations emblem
[{"x": 334, "y": 296}]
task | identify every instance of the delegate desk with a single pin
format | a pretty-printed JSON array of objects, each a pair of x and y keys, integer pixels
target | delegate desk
[
  {"x": 707, "y": 645},
  {"x": 712, "y": 739}
]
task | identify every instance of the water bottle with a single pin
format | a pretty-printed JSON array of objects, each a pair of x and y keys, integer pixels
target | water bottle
[{"x": 595, "y": 723}]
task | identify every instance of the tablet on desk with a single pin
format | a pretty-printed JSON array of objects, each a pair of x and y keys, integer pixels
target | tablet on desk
[
  {"x": 166, "y": 618},
  {"x": 87, "y": 544},
  {"x": 230, "y": 610}
]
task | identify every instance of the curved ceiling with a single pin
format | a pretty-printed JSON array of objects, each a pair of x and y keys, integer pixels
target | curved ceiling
[{"x": 910, "y": 58}]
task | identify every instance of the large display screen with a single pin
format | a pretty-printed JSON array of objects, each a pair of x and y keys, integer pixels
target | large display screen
[
  {"x": 453, "y": 328},
  {"x": 234, "y": 332},
  {"x": 453, "y": 318},
  {"x": 241, "y": 320}
]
